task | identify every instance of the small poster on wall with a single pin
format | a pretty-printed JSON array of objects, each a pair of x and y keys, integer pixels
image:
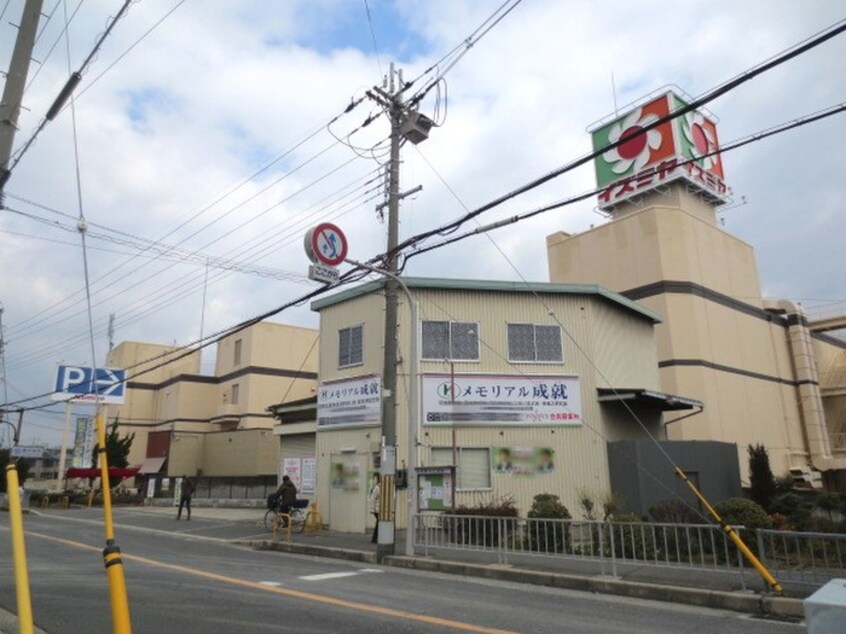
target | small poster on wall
[
  {"x": 527, "y": 461},
  {"x": 291, "y": 468},
  {"x": 151, "y": 487},
  {"x": 344, "y": 476},
  {"x": 308, "y": 474}
]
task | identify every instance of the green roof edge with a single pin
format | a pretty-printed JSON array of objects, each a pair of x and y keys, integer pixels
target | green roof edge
[{"x": 493, "y": 286}]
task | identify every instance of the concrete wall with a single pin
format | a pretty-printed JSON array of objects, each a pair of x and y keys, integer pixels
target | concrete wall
[{"x": 717, "y": 343}]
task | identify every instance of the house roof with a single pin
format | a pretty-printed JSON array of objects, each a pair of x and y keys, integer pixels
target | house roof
[{"x": 493, "y": 286}]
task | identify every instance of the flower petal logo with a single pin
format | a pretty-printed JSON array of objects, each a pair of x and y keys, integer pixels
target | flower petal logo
[
  {"x": 637, "y": 143},
  {"x": 703, "y": 141}
]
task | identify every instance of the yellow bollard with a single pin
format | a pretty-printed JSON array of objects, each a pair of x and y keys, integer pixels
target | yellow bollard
[
  {"x": 25, "y": 625},
  {"x": 111, "y": 553}
]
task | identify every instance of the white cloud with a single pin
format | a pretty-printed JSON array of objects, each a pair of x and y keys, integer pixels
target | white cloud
[{"x": 222, "y": 87}]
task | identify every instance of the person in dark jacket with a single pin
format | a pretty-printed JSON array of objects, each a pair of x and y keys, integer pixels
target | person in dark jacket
[
  {"x": 287, "y": 493},
  {"x": 185, "y": 498}
]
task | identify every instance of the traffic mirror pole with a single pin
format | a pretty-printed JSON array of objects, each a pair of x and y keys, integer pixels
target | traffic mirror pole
[{"x": 111, "y": 553}]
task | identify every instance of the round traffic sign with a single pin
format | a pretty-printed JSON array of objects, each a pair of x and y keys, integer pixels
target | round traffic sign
[{"x": 326, "y": 244}]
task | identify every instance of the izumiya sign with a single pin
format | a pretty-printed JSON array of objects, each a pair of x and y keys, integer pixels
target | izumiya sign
[{"x": 685, "y": 148}]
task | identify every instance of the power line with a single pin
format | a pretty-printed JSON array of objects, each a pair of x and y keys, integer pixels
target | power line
[
  {"x": 695, "y": 104},
  {"x": 64, "y": 94}
]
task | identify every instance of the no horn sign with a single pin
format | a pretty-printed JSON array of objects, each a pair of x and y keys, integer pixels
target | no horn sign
[{"x": 79, "y": 385}]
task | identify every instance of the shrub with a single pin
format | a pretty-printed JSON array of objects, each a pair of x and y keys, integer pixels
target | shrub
[
  {"x": 548, "y": 536},
  {"x": 740, "y": 511},
  {"x": 633, "y": 539},
  {"x": 828, "y": 502},
  {"x": 675, "y": 512},
  {"x": 783, "y": 484},
  {"x": 480, "y": 530},
  {"x": 794, "y": 508}
]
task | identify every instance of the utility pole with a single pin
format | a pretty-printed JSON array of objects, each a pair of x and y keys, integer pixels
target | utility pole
[
  {"x": 406, "y": 124},
  {"x": 5, "y": 386},
  {"x": 111, "y": 331},
  {"x": 10, "y": 104}
]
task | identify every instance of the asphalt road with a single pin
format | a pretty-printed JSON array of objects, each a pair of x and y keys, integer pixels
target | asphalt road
[{"x": 190, "y": 582}]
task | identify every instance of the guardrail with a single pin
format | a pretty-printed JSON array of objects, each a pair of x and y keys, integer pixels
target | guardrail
[
  {"x": 804, "y": 558},
  {"x": 608, "y": 544}
]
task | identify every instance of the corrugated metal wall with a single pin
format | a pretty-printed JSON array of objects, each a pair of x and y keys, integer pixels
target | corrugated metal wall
[{"x": 613, "y": 342}]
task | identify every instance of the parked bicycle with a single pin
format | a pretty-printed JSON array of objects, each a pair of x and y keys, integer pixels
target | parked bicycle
[{"x": 276, "y": 518}]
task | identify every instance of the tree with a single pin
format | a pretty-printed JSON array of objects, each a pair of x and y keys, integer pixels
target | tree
[
  {"x": 117, "y": 450},
  {"x": 762, "y": 486}
]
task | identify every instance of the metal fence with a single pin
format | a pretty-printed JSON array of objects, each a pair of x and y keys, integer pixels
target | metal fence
[
  {"x": 804, "y": 558},
  {"x": 615, "y": 547},
  {"x": 608, "y": 544}
]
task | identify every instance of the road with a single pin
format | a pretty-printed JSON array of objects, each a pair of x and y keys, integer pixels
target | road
[{"x": 188, "y": 582}]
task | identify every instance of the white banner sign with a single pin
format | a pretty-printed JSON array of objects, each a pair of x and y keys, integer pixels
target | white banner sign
[
  {"x": 308, "y": 476},
  {"x": 350, "y": 402},
  {"x": 27, "y": 452},
  {"x": 151, "y": 488},
  {"x": 497, "y": 400},
  {"x": 83, "y": 443}
]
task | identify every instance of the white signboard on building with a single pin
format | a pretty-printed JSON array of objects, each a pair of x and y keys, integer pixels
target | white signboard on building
[
  {"x": 350, "y": 402},
  {"x": 151, "y": 488},
  {"x": 309, "y": 470},
  {"x": 20, "y": 451},
  {"x": 501, "y": 400}
]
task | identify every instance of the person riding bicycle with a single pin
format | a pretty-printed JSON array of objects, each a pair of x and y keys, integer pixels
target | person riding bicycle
[{"x": 287, "y": 494}]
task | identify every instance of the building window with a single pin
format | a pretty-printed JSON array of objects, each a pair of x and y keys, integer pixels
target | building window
[
  {"x": 236, "y": 390},
  {"x": 528, "y": 342},
  {"x": 473, "y": 471},
  {"x": 237, "y": 353},
  {"x": 350, "y": 344},
  {"x": 452, "y": 340}
]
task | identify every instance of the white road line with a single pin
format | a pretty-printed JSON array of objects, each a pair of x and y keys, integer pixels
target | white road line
[
  {"x": 274, "y": 584},
  {"x": 336, "y": 575}
]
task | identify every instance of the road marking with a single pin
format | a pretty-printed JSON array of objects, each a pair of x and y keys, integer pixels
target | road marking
[
  {"x": 130, "y": 527},
  {"x": 336, "y": 575},
  {"x": 273, "y": 584},
  {"x": 298, "y": 594}
]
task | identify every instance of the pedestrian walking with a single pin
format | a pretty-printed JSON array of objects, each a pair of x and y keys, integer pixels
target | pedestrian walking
[
  {"x": 185, "y": 497},
  {"x": 373, "y": 504}
]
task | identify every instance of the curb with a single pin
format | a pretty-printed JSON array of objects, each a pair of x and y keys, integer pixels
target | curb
[
  {"x": 307, "y": 549},
  {"x": 750, "y": 603},
  {"x": 780, "y": 607}
]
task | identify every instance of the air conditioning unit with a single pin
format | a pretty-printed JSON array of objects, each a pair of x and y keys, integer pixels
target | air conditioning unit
[
  {"x": 806, "y": 478},
  {"x": 415, "y": 127}
]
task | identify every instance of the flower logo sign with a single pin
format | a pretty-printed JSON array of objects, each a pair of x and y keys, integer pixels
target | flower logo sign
[
  {"x": 644, "y": 155},
  {"x": 638, "y": 143}
]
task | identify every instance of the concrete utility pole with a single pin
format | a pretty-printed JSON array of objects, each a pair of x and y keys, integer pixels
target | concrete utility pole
[
  {"x": 10, "y": 105},
  {"x": 387, "y": 537},
  {"x": 3, "y": 433},
  {"x": 408, "y": 124}
]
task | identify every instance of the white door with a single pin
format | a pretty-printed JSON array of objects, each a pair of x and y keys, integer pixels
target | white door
[{"x": 348, "y": 492}]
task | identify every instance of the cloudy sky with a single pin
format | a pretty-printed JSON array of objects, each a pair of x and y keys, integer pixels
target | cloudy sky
[{"x": 173, "y": 137}]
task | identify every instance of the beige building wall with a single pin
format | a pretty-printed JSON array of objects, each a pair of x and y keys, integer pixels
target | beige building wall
[
  {"x": 603, "y": 330},
  {"x": 276, "y": 362},
  {"x": 717, "y": 343}
]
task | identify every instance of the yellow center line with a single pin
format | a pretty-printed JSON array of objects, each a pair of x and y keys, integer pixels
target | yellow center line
[{"x": 308, "y": 596}]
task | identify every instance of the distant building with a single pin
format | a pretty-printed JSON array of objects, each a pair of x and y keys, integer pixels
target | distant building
[
  {"x": 218, "y": 426},
  {"x": 765, "y": 373}
]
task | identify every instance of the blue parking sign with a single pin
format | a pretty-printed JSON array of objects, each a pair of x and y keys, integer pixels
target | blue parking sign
[{"x": 79, "y": 384}]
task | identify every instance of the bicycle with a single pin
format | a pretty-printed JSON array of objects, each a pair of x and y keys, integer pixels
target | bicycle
[{"x": 275, "y": 519}]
